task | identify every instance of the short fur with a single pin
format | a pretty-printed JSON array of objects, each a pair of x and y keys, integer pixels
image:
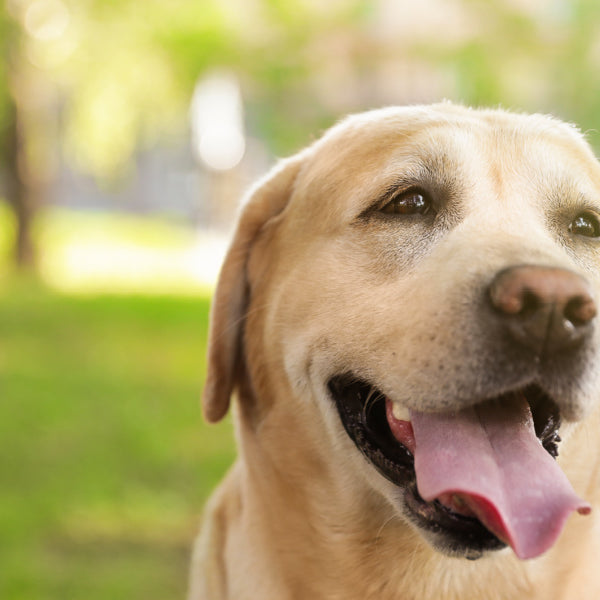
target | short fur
[{"x": 316, "y": 284}]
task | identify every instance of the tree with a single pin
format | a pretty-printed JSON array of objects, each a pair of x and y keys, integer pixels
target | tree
[{"x": 16, "y": 171}]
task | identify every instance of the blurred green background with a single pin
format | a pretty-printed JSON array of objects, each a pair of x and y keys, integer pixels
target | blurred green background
[{"x": 128, "y": 131}]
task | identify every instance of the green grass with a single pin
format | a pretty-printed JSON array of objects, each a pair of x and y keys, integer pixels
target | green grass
[{"x": 105, "y": 459}]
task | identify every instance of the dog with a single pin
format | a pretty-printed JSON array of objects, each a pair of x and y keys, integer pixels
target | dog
[{"x": 407, "y": 316}]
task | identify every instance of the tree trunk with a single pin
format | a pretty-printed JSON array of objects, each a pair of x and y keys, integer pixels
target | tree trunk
[{"x": 20, "y": 195}]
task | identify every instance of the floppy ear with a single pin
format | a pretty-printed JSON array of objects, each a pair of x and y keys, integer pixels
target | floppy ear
[{"x": 265, "y": 201}]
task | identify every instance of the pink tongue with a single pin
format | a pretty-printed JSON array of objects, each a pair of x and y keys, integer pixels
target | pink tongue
[{"x": 490, "y": 457}]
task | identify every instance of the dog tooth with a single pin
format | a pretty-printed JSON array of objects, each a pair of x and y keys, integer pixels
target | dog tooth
[{"x": 400, "y": 412}]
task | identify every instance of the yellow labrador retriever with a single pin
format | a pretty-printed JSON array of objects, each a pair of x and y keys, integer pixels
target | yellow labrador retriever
[{"x": 407, "y": 316}]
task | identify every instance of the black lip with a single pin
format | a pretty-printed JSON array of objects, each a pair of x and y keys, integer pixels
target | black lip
[{"x": 362, "y": 412}]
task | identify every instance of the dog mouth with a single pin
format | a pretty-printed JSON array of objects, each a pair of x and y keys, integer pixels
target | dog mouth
[{"x": 452, "y": 502}]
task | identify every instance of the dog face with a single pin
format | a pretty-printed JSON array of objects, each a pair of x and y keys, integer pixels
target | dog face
[{"x": 416, "y": 262}]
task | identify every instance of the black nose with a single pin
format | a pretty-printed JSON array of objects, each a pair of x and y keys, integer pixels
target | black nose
[{"x": 545, "y": 309}]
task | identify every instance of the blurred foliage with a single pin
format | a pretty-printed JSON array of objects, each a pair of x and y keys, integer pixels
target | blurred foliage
[
  {"x": 542, "y": 60},
  {"x": 134, "y": 66},
  {"x": 124, "y": 71}
]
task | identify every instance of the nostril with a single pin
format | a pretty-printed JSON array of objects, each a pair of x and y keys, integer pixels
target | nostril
[{"x": 580, "y": 310}]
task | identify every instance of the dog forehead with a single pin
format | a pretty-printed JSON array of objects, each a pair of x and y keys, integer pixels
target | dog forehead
[
  {"x": 492, "y": 127},
  {"x": 358, "y": 159}
]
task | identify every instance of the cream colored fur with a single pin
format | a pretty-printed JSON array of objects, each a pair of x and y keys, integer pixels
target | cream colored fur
[{"x": 309, "y": 289}]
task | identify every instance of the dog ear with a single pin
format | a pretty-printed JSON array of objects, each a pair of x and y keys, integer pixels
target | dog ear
[{"x": 265, "y": 201}]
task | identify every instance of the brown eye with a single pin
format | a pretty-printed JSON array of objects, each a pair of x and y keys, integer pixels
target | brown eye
[
  {"x": 585, "y": 224},
  {"x": 408, "y": 203}
]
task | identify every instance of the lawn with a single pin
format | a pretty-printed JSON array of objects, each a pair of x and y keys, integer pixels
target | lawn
[{"x": 106, "y": 461}]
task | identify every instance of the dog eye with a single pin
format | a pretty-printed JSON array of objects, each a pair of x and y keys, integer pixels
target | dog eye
[
  {"x": 586, "y": 224},
  {"x": 411, "y": 202}
]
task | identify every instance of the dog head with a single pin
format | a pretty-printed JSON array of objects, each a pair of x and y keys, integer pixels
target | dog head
[{"x": 416, "y": 264}]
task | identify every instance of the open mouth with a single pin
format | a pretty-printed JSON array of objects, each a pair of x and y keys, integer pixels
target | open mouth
[{"x": 455, "y": 527}]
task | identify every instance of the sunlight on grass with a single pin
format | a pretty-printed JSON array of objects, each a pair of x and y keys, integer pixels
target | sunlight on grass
[{"x": 108, "y": 252}]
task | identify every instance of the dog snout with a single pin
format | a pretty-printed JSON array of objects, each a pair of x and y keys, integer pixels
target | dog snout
[{"x": 544, "y": 309}]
